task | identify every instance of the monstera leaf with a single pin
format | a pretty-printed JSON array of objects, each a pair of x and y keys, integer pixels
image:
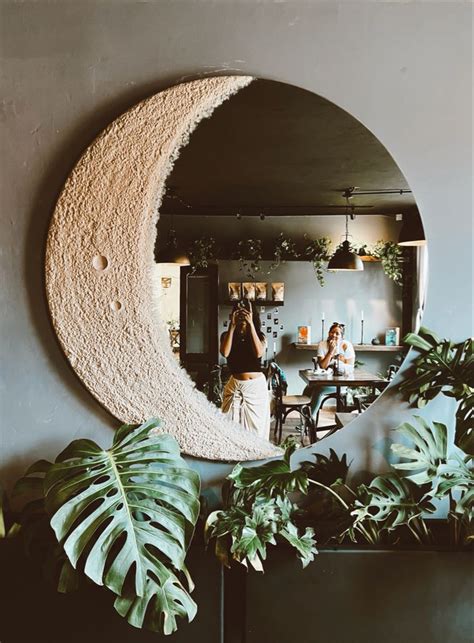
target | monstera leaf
[
  {"x": 125, "y": 516},
  {"x": 272, "y": 478},
  {"x": 444, "y": 367},
  {"x": 392, "y": 501},
  {"x": 429, "y": 450}
]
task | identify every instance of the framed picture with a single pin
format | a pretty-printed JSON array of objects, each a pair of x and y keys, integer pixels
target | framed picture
[
  {"x": 275, "y": 335},
  {"x": 304, "y": 335},
  {"x": 260, "y": 290},
  {"x": 278, "y": 291},
  {"x": 275, "y": 321},
  {"x": 248, "y": 291},
  {"x": 392, "y": 336},
  {"x": 234, "y": 290},
  {"x": 166, "y": 282}
]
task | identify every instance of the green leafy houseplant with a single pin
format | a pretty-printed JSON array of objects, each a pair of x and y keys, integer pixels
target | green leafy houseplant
[
  {"x": 444, "y": 367},
  {"x": 391, "y": 506},
  {"x": 317, "y": 252},
  {"x": 257, "y": 511},
  {"x": 249, "y": 254},
  {"x": 123, "y": 517},
  {"x": 284, "y": 249},
  {"x": 391, "y": 257},
  {"x": 202, "y": 252}
]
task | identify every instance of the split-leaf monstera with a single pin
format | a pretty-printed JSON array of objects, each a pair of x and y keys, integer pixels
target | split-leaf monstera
[{"x": 125, "y": 517}]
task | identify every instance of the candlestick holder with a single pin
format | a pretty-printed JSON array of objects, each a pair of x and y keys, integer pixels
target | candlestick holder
[
  {"x": 361, "y": 331},
  {"x": 322, "y": 330}
]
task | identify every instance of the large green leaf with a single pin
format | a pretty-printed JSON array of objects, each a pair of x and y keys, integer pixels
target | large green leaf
[
  {"x": 274, "y": 477},
  {"x": 126, "y": 514},
  {"x": 429, "y": 449},
  {"x": 305, "y": 545},
  {"x": 392, "y": 501},
  {"x": 464, "y": 436},
  {"x": 443, "y": 367}
]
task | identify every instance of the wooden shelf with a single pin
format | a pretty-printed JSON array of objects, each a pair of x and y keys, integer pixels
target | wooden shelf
[
  {"x": 257, "y": 302},
  {"x": 359, "y": 348}
]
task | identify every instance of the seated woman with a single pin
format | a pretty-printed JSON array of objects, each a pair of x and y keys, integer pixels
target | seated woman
[
  {"x": 335, "y": 352},
  {"x": 245, "y": 395}
]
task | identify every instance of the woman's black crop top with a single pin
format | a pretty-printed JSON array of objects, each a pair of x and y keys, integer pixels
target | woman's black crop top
[{"x": 242, "y": 358}]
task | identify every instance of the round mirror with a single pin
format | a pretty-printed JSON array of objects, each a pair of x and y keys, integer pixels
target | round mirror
[{"x": 290, "y": 262}]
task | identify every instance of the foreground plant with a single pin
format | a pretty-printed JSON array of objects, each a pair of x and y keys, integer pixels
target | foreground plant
[
  {"x": 123, "y": 517},
  {"x": 258, "y": 511},
  {"x": 448, "y": 474},
  {"x": 444, "y": 367}
]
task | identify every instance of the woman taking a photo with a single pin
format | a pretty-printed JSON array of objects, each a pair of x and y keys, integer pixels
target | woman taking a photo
[{"x": 245, "y": 395}]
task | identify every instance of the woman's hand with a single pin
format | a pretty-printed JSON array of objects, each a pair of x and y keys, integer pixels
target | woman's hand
[
  {"x": 332, "y": 345},
  {"x": 246, "y": 316}
]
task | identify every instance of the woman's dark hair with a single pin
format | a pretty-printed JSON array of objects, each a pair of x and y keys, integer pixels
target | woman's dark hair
[
  {"x": 337, "y": 325},
  {"x": 245, "y": 303}
]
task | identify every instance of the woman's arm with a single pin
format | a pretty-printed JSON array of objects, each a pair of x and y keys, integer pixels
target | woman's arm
[
  {"x": 325, "y": 361},
  {"x": 228, "y": 337},
  {"x": 258, "y": 345}
]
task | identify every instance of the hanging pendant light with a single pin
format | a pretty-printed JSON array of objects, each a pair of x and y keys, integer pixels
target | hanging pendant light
[
  {"x": 412, "y": 233},
  {"x": 344, "y": 258},
  {"x": 172, "y": 253}
]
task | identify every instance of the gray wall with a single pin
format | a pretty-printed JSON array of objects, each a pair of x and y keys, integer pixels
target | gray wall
[{"x": 69, "y": 68}]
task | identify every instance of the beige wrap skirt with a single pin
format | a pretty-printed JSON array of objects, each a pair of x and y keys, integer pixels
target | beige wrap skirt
[{"x": 247, "y": 402}]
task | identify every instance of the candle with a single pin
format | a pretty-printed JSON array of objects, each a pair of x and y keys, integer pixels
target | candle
[
  {"x": 361, "y": 315},
  {"x": 274, "y": 348},
  {"x": 323, "y": 317}
]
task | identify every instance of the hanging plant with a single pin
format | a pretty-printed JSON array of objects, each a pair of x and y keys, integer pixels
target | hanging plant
[
  {"x": 317, "y": 252},
  {"x": 284, "y": 249},
  {"x": 391, "y": 256},
  {"x": 202, "y": 252},
  {"x": 249, "y": 255}
]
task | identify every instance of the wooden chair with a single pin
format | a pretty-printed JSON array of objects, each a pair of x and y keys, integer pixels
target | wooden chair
[{"x": 285, "y": 404}]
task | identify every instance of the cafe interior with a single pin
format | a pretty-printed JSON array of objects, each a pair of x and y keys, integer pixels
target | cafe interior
[{"x": 284, "y": 199}]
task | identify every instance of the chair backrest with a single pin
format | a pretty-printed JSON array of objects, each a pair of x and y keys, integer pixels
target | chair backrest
[{"x": 277, "y": 379}]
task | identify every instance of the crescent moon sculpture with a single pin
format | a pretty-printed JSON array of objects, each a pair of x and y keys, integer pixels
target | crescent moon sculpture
[{"x": 99, "y": 284}]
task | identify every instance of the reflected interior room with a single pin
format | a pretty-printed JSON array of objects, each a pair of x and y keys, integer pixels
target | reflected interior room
[{"x": 283, "y": 199}]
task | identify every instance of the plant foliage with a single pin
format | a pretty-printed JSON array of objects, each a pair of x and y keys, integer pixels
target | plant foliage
[
  {"x": 448, "y": 368},
  {"x": 249, "y": 254},
  {"x": 257, "y": 511},
  {"x": 317, "y": 252},
  {"x": 391, "y": 257},
  {"x": 450, "y": 475},
  {"x": 124, "y": 517}
]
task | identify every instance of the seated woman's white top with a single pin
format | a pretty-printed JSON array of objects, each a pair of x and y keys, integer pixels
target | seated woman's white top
[{"x": 344, "y": 348}]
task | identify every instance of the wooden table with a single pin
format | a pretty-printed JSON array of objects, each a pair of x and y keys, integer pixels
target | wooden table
[{"x": 357, "y": 378}]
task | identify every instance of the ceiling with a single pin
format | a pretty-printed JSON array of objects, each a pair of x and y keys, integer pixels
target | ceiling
[{"x": 281, "y": 150}]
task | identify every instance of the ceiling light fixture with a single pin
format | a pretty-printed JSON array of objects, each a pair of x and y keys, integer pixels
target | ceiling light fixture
[
  {"x": 344, "y": 259},
  {"x": 412, "y": 233},
  {"x": 172, "y": 253}
]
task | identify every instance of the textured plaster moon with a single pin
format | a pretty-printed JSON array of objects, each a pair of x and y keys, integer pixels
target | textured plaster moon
[{"x": 99, "y": 260}]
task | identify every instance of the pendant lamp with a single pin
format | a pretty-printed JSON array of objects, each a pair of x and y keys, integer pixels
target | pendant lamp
[
  {"x": 344, "y": 259},
  {"x": 412, "y": 233},
  {"x": 171, "y": 253}
]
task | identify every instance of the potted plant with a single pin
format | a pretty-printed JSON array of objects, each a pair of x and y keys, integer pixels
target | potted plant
[
  {"x": 317, "y": 252},
  {"x": 122, "y": 518},
  {"x": 391, "y": 256},
  {"x": 249, "y": 254}
]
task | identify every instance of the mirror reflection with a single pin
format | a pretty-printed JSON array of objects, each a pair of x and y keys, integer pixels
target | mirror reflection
[{"x": 290, "y": 262}]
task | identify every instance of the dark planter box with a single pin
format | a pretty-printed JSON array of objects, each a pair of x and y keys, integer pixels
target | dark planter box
[{"x": 355, "y": 596}]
